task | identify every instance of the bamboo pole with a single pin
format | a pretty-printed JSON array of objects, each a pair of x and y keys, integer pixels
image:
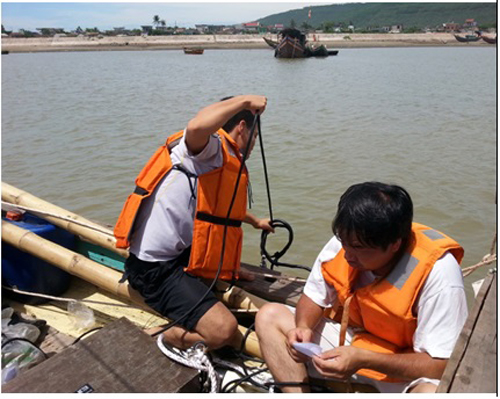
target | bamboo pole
[
  {"x": 105, "y": 239},
  {"x": 239, "y": 298},
  {"x": 90, "y": 271},
  {"x": 73, "y": 263},
  {"x": 236, "y": 297}
]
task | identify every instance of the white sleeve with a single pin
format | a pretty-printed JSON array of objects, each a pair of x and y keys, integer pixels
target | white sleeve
[
  {"x": 205, "y": 161},
  {"x": 211, "y": 149},
  {"x": 316, "y": 288},
  {"x": 442, "y": 309}
]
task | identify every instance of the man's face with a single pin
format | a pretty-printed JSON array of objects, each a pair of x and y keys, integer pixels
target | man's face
[
  {"x": 245, "y": 136},
  {"x": 363, "y": 258}
]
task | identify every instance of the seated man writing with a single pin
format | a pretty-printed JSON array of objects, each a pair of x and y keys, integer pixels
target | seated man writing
[{"x": 398, "y": 286}]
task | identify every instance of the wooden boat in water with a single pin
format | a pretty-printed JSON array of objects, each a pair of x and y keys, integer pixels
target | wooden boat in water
[
  {"x": 97, "y": 266},
  {"x": 467, "y": 38},
  {"x": 293, "y": 44},
  {"x": 290, "y": 47},
  {"x": 270, "y": 42},
  {"x": 193, "y": 50},
  {"x": 319, "y": 51},
  {"x": 490, "y": 40}
]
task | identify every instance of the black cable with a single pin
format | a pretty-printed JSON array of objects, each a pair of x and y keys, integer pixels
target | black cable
[
  {"x": 240, "y": 381},
  {"x": 266, "y": 177},
  {"x": 245, "y": 375},
  {"x": 274, "y": 259},
  {"x": 85, "y": 333},
  {"x": 245, "y": 337},
  {"x": 274, "y": 222},
  {"x": 221, "y": 262},
  {"x": 288, "y": 384}
]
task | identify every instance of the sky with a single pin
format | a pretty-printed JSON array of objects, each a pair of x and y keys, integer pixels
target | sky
[
  {"x": 17, "y": 15},
  {"x": 131, "y": 15}
]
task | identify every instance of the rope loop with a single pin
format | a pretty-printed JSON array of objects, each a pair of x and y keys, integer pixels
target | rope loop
[
  {"x": 194, "y": 357},
  {"x": 274, "y": 259}
]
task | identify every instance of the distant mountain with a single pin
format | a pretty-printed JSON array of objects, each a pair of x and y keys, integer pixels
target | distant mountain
[{"x": 363, "y": 15}]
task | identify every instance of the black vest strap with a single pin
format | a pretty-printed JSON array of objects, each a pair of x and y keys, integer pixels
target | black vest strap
[
  {"x": 140, "y": 191},
  {"x": 218, "y": 220}
]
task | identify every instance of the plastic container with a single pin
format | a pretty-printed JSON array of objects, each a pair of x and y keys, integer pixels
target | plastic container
[{"x": 29, "y": 273}]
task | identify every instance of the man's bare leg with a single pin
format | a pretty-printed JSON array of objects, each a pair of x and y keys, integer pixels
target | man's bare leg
[
  {"x": 217, "y": 327},
  {"x": 272, "y": 323}
]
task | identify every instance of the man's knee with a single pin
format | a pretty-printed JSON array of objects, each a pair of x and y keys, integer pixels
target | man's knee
[
  {"x": 268, "y": 317},
  {"x": 218, "y": 326},
  {"x": 226, "y": 329}
]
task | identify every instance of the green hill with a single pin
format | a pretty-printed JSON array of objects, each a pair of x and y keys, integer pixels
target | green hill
[{"x": 364, "y": 15}]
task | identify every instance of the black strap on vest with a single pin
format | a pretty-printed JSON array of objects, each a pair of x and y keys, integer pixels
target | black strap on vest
[
  {"x": 218, "y": 220},
  {"x": 189, "y": 175},
  {"x": 140, "y": 191}
]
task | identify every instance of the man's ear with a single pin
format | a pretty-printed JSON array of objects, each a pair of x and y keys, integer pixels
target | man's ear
[
  {"x": 241, "y": 126},
  {"x": 396, "y": 245}
]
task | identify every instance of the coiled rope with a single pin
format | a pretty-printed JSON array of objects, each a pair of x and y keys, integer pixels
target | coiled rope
[{"x": 194, "y": 357}]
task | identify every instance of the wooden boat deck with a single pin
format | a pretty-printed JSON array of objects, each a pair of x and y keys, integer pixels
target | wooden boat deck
[
  {"x": 472, "y": 367},
  {"x": 282, "y": 289},
  {"x": 104, "y": 363},
  {"x": 57, "y": 313}
]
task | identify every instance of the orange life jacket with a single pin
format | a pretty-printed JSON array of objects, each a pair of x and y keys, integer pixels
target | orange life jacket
[
  {"x": 383, "y": 310},
  {"x": 214, "y": 193}
]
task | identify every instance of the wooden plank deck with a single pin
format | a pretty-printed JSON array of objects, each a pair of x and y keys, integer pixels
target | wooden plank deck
[
  {"x": 282, "y": 288},
  {"x": 472, "y": 367},
  {"x": 119, "y": 358}
]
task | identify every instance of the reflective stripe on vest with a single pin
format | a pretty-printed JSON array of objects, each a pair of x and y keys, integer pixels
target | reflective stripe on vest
[
  {"x": 384, "y": 309},
  {"x": 214, "y": 193}
]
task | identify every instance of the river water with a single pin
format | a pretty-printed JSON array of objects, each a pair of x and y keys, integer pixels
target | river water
[{"x": 77, "y": 127}]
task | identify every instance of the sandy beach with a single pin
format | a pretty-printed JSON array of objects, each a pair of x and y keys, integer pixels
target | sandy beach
[{"x": 332, "y": 41}]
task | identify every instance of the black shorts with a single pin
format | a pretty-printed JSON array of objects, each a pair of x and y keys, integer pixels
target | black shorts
[{"x": 170, "y": 291}]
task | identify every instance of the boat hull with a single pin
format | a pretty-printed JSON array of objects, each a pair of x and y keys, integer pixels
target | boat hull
[
  {"x": 290, "y": 48},
  {"x": 270, "y": 42},
  {"x": 490, "y": 40},
  {"x": 196, "y": 51},
  {"x": 467, "y": 39}
]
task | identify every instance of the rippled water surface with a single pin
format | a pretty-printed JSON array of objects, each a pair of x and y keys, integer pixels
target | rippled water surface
[{"x": 77, "y": 128}]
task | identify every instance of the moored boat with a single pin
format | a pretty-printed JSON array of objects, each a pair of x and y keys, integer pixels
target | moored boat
[
  {"x": 467, "y": 38},
  {"x": 290, "y": 47},
  {"x": 270, "y": 42},
  {"x": 193, "y": 50},
  {"x": 490, "y": 40},
  {"x": 293, "y": 44}
]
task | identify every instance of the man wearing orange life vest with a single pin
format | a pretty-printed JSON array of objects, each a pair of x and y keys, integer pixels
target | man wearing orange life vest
[
  {"x": 176, "y": 219},
  {"x": 392, "y": 290}
]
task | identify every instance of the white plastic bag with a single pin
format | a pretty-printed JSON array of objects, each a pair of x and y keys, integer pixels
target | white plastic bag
[
  {"x": 82, "y": 316},
  {"x": 21, "y": 330}
]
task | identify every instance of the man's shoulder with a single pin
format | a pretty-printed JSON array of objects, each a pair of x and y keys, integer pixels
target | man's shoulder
[
  {"x": 330, "y": 250},
  {"x": 447, "y": 268},
  {"x": 181, "y": 152},
  {"x": 445, "y": 275}
]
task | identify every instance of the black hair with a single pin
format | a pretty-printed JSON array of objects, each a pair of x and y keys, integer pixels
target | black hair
[
  {"x": 375, "y": 214},
  {"x": 245, "y": 115}
]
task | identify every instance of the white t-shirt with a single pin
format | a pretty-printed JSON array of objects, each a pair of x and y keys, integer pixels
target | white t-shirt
[
  {"x": 442, "y": 305},
  {"x": 164, "y": 223}
]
